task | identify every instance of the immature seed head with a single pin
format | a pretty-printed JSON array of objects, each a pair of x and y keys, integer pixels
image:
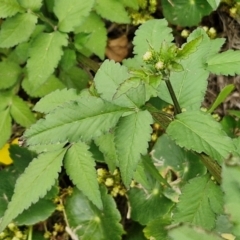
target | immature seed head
[
  {"x": 147, "y": 56},
  {"x": 159, "y": 65}
]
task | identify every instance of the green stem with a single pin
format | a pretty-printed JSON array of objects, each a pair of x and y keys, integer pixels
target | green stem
[
  {"x": 173, "y": 96},
  {"x": 30, "y": 230},
  {"x": 88, "y": 62},
  {"x": 46, "y": 20}
]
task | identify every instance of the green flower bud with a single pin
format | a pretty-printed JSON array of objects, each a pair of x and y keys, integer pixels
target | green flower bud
[
  {"x": 159, "y": 65},
  {"x": 147, "y": 56}
]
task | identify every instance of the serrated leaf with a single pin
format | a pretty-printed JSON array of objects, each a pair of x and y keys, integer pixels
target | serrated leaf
[
  {"x": 14, "y": 30},
  {"x": 185, "y": 13},
  {"x": 225, "y": 92},
  {"x": 88, "y": 222},
  {"x": 108, "y": 79},
  {"x": 5, "y": 99},
  {"x": 95, "y": 27},
  {"x": 55, "y": 99},
  {"x": 52, "y": 84},
  {"x": 45, "y": 53},
  {"x": 197, "y": 203},
  {"x": 9, "y": 73},
  {"x": 151, "y": 34},
  {"x": 226, "y": 63},
  {"x": 21, "y": 113},
  {"x": 198, "y": 131},
  {"x": 190, "y": 85},
  {"x": 71, "y": 13},
  {"x": 80, "y": 167},
  {"x": 84, "y": 119},
  {"x": 189, "y": 233},
  {"x": 107, "y": 147},
  {"x": 43, "y": 169},
  {"x": 20, "y": 53},
  {"x": 155, "y": 203},
  {"x": 131, "y": 138},
  {"x": 5, "y": 126},
  {"x": 9, "y": 8},
  {"x": 31, "y": 4},
  {"x": 69, "y": 59},
  {"x": 189, "y": 47},
  {"x": 230, "y": 186},
  {"x": 107, "y": 9}
]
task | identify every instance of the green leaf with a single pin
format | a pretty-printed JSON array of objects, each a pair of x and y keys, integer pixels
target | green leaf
[
  {"x": 20, "y": 53},
  {"x": 190, "y": 85},
  {"x": 14, "y": 30},
  {"x": 107, "y": 147},
  {"x": 190, "y": 233},
  {"x": 230, "y": 186},
  {"x": 88, "y": 222},
  {"x": 5, "y": 126},
  {"x": 214, "y": 4},
  {"x": 9, "y": 74},
  {"x": 200, "y": 201},
  {"x": 71, "y": 13},
  {"x": 21, "y": 113},
  {"x": 45, "y": 53},
  {"x": 198, "y": 131},
  {"x": 31, "y": 4},
  {"x": 43, "y": 169},
  {"x": 84, "y": 119},
  {"x": 157, "y": 228},
  {"x": 131, "y": 4},
  {"x": 55, "y": 99},
  {"x": 52, "y": 84},
  {"x": 107, "y": 80},
  {"x": 80, "y": 167},
  {"x": 95, "y": 27},
  {"x": 107, "y": 9},
  {"x": 69, "y": 59},
  {"x": 221, "y": 97},
  {"x": 131, "y": 138},
  {"x": 235, "y": 113},
  {"x": 226, "y": 63},
  {"x": 151, "y": 34},
  {"x": 9, "y": 8},
  {"x": 5, "y": 99},
  {"x": 189, "y": 47},
  {"x": 185, "y": 13},
  {"x": 156, "y": 204}
]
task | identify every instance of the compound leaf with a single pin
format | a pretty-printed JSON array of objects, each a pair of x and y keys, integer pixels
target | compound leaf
[
  {"x": 14, "y": 30},
  {"x": 107, "y": 9},
  {"x": 5, "y": 126},
  {"x": 71, "y": 13},
  {"x": 84, "y": 119},
  {"x": 21, "y": 113},
  {"x": 9, "y": 8},
  {"x": 131, "y": 137},
  {"x": 45, "y": 53},
  {"x": 197, "y": 203},
  {"x": 9, "y": 73},
  {"x": 88, "y": 222},
  {"x": 226, "y": 63},
  {"x": 198, "y": 131},
  {"x": 43, "y": 169},
  {"x": 80, "y": 167}
]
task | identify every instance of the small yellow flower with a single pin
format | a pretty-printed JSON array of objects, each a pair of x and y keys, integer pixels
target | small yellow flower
[
  {"x": 147, "y": 56},
  {"x": 159, "y": 65}
]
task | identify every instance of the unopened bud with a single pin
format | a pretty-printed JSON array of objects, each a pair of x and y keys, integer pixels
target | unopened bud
[
  {"x": 159, "y": 65},
  {"x": 147, "y": 56}
]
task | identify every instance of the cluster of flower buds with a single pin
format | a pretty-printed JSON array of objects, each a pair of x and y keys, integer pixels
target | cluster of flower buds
[{"x": 12, "y": 232}]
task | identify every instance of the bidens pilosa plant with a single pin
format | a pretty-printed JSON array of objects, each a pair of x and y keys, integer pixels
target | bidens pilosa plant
[{"x": 115, "y": 117}]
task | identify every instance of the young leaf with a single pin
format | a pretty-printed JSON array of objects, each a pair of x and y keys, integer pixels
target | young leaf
[
  {"x": 189, "y": 233},
  {"x": 151, "y": 34},
  {"x": 88, "y": 222},
  {"x": 131, "y": 138},
  {"x": 45, "y": 53},
  {"x": 5, "y": 126},
  {"x": 230, "y": 186},
  {"x": 31, "y": 4},
  {"x": 85, "y": 119},
  {"x": 200, "y": 201},
  {"x": 80, "y": 167},
  {"x": 198, "y": 131},
  {"x": 107, "y": 9},
  {"x": 9, "y": 73},
  {"x": 221, "y": 97},
  {"x": 9, "y": 8},
  {"x": 55, "y": 99},
  {"x": 71, "y": 13},
  {"x": 226, "y": 63},
  {"x": 14, "y": 30},
  {"x": 21, "y": 112},
  {"x": 34, "y": 183}
]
